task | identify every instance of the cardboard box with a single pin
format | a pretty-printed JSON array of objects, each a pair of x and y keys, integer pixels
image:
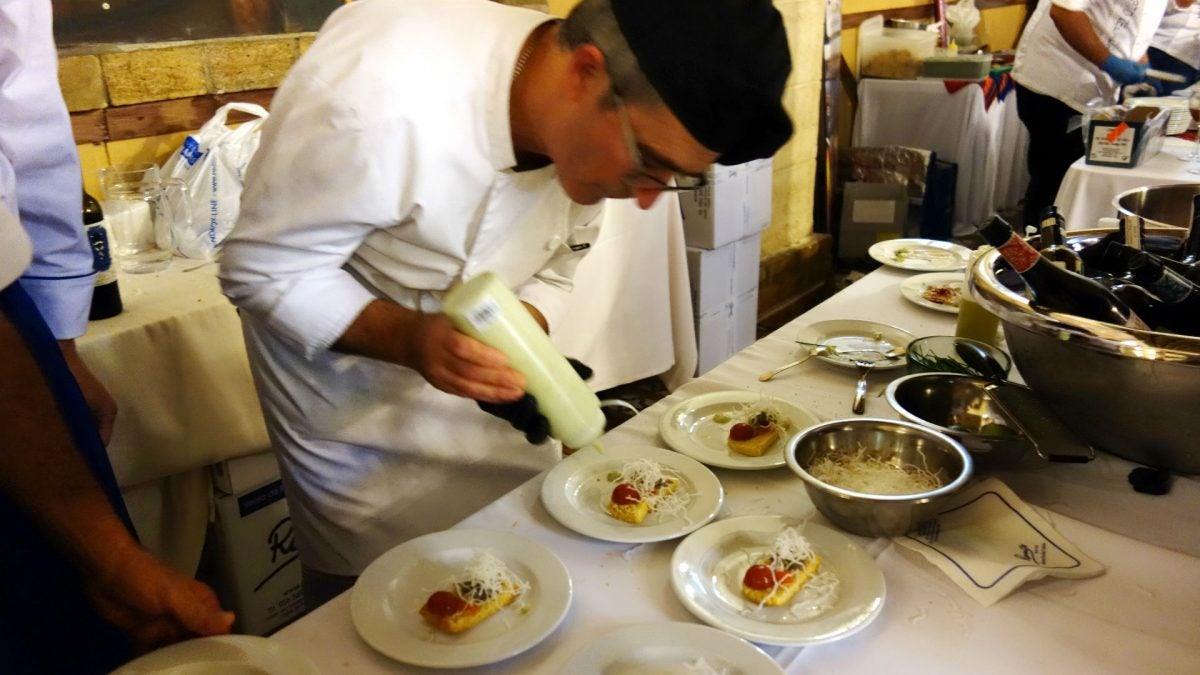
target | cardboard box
[
  {"x": 726, "y": 330},
  {"x": 235, "y": 476},
  {"x": 871, "y": 212},
  {"x": 257, "y": 572},
  {"x": 1125, "y": 137},
  {"x": 721, "y": 274},
  {"x": 735, "y": 204}
]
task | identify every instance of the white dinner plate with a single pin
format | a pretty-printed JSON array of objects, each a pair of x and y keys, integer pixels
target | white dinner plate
[
  {"x": 913, "y": 289},
  {"x": 707, "y": 569},
  {"x": 923, "y": 255},
  {"x": 850, "y": 337},
  {"x": 222, "y": 655},
  {"x": 689, "y": 428},
  {"x": 574, "y": 492},
  {"x": 668, "y": 649},
  {"x": 386, "y": 600}
]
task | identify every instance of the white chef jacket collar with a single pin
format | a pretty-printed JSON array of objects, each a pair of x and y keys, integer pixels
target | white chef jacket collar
[{"x": 500, "y": 77}]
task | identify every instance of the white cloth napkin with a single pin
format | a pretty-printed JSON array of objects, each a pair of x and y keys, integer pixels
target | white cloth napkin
[{"x": 990, "y": 542}]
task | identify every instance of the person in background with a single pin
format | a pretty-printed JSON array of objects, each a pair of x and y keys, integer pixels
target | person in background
[
  {"x": 1176, "y": 47},
  {"x": 418, "y": 143},
  {"x": 77, "y": 593},
  {"x": 1071, "y": 52}
]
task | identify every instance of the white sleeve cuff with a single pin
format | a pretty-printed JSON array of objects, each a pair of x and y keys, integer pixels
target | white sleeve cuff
[{"x": 63, "y": 303}]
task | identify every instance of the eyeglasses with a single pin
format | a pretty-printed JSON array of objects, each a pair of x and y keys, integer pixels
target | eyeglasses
[{"x": 638, "y": 178}]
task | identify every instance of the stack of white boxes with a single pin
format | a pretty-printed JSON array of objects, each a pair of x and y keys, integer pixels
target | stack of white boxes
[
  {"x": 722, "y": 228},
  {"x": 257, "y": 568}
]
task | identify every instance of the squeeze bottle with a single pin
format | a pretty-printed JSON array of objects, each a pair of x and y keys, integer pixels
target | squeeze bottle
[{"x": 484, "y": 308}]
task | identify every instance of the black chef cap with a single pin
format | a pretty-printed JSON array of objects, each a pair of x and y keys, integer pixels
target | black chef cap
[{"x": 719, "y": 65}]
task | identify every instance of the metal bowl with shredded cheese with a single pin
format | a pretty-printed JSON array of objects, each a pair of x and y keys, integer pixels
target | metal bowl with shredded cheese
[{"x": 877, "y": 477}]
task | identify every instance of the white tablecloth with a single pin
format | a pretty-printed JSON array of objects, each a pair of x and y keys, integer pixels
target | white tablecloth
[
  {"x": 989, "y": 146},
  {"x": 1087, "y": 191},
  {"x": 1138, "y": 617}
]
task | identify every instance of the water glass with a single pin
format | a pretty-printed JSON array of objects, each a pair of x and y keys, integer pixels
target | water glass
[{"x": 142, "y": 208}]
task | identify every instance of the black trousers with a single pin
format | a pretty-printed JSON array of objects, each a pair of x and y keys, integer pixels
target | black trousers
[{"x": 1052, "y": 149}]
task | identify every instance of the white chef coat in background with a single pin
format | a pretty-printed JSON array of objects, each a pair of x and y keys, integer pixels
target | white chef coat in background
[
  {"x": 385, "y": 171},
  {"x": 1178, "y": 34},
  {"x": 1047, "y": 65}
]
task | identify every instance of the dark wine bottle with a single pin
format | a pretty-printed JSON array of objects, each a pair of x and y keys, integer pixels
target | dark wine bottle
[
  {"x": 1054, "y": 289},
  {"x": 106, "y": 296},
  {"x": 1115, "y": 261},
  {"x": 1190, "y": 253},
  {"x": 1052, "y": 242},
  {"x": 1180, "y": 297}
]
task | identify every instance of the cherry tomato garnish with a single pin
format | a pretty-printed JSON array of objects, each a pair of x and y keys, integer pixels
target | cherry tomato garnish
[
  {"x": 742, "y": 432},
  {"x": 444, "y": 603},
  {"x": 759, "y": 577},
  {"x": 625, "y": 494}
]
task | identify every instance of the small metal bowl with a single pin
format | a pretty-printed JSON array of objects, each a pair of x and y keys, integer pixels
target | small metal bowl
[
  {"x": 892, "y": 441},
  {"x": 959, "y": 406}
]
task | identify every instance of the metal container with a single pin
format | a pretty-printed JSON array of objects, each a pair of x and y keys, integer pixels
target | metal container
[
  {"x": 892, "y": 441},
  {"x": 1128, "y": 392},
  {"x": 959, "y": 406},
  {"x": 1167, "y": 208}
]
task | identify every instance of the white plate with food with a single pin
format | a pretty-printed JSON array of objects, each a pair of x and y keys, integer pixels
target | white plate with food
[
  {"x": 922, "y": 255},
  {"x": 709, "y": 428},
  {"x": 848, "y": 340},
  {"x": 778, "y": 582},
  {"x": 667, "y": 648},
  {"x": 940, "y": 291},
  {"x": 222, "y": 655},
  {"x": 407, "y": 602},
  {"x": 631, "y": 494}
]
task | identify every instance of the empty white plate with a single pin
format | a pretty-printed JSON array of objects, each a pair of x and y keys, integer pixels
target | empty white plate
[
  {"x": 853, "y": 339},
  {"x": 221, "y": 655},
  {"x": 923, "y": 255},
  {"x": 670, "y": 648}
]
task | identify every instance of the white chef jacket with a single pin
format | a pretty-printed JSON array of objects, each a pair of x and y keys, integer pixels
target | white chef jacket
[
  {"x": 1179, "y": 34},
  {"x": 39, "y": 177},
  {"x": 1046, "y": 64},
  {"x": 385, "y": 170}
]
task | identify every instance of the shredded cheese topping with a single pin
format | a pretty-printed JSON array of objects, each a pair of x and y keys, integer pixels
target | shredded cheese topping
[
  {"x": 857, "y": 472},
  {"x": 757, "y": 411},
  {"x": 791, "y": 549},
  {"x": 485, "y": 577},
  {"x": 649, "y": 478}
]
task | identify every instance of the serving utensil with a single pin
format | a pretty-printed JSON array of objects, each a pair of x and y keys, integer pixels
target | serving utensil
[
  {"x": 819, "y": 349},
  {"x": 860, "y": 388},
  {"x": 830, "y": 350}
]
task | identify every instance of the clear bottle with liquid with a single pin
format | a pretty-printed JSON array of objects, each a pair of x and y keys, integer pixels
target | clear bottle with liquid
[
  {"x": 975, "y": 322},
  {"x": 484, "y": 308}
]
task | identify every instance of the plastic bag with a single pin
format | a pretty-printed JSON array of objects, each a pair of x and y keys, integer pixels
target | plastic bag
[
  {"x": 212, "y": 164},
  {"x": 963, "y": 17}
]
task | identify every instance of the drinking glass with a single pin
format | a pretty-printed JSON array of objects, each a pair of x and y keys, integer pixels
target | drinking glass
[
  {"x": 142, "y": 208},
  {"x": 1194, "y": 109}
]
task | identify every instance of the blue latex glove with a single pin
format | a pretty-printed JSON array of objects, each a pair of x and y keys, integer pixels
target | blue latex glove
[
  {"x": 523, "y": 413},
  {"x": 1124, "y": 70}
]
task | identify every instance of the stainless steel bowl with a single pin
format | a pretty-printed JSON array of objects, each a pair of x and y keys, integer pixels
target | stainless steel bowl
[
  {"x": 1165, "y": 207},
  {"x": 959, "y": 406},
  {"x": 888, "y": 440},
  {"x": 1128, "y": 392}
]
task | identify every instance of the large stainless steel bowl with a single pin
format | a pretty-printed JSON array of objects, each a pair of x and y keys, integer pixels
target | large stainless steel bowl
[
  {"x": 1164, "y": 207},
  {"x": 892, "y": 441},
  {"x": 1135, "y": 394}
]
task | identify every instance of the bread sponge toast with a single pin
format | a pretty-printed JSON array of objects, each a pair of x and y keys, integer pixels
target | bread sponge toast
[
  {"x": 758, "y": 445},
  {"x": 636, "y": 512},
  {"x": 469, "y": 615},
  {"x": 788, "y": 581},
  {"x": 484, "y": 588}
]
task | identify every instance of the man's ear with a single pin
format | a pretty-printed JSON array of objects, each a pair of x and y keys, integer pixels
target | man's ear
[{"x": 586, "y": 71}]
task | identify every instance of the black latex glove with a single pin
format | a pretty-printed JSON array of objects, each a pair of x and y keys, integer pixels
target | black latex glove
[{"x": 523, "y": 413}]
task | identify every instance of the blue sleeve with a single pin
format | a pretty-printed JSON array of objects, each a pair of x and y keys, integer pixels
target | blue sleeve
[{"x": 36, "y": 139}]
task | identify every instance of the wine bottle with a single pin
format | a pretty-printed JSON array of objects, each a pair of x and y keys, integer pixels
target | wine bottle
[
  {"x": 1054, "y": 289},
  {"x": 1180, "y": 297},
  {"x": 1116, "y": 257},
  {"x": 1053, "y": 243},
  {"x": 106, "y": 296},
  {"x": 1190, "y": 253}
]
